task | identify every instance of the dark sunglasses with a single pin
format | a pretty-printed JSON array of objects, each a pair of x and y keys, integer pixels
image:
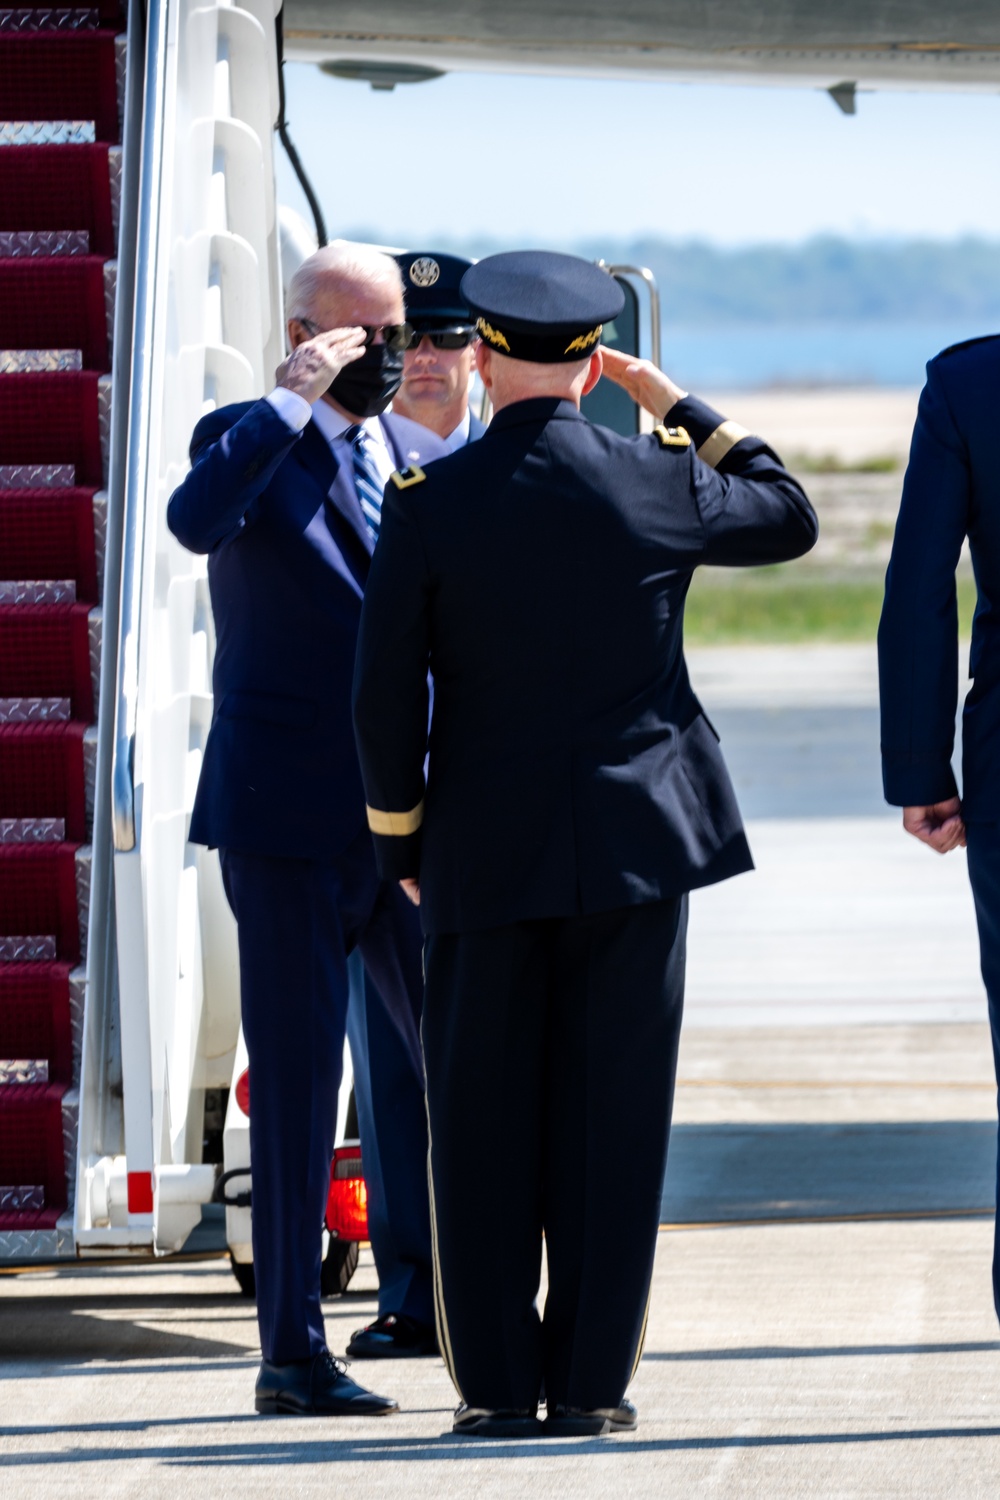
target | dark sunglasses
[
  {"x": 395, "y": 336},
  {"x": 445, "y": 338}
]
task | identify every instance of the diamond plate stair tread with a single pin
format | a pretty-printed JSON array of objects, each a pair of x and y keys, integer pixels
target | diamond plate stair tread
[
  {"x": 44, "y": 242},
  {"x": 48, "y": 18}
]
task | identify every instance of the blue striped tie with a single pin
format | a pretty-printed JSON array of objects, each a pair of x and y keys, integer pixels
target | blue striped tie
[{"x": 366, "y": 477}]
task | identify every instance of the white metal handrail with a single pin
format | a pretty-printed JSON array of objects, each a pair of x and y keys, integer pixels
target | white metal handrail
[{"x": 130, "y": 433}]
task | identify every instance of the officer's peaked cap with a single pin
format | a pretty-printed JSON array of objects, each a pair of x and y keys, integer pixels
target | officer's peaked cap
[
  {"x": 541, "y": 306},
  {"x": 431, "y": 284}
]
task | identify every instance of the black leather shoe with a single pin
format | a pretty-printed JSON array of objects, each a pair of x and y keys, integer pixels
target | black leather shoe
[
  {"x": 319, "y": 1387},
  {"x": 481, "y": 1422},
  {"x": 570, "y": 1421},
  {"x": 394, "y": 1336}
]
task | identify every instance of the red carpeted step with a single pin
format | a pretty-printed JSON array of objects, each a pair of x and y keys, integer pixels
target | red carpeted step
[
  {"x": 52, "y": 419},
  {"x": 60, "y": 75},
  {"x": 35, "y": 1017},
  {"x": 45, "y": 653},
  {"x": 38, "y": 894},
  {"x": 55, "y": 302},
  {"x": 31, "y": 1150},
  {"x": 49, "y": 534},
  {"x": 42, "y": 776},
  {"x": 57, "y": 187}
]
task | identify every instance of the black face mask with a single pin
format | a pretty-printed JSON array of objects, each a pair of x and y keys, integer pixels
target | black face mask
[{"x": 367, "y": 385}]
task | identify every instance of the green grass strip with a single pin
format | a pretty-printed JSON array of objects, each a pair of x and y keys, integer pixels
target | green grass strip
[{"x": 767, "y": 606}]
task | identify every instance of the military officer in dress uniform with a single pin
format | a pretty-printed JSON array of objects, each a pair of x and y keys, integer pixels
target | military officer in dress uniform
[
  {"x": 576, "y": 794},
  {"x": 438, "y": 365},
  {"x": 951, "y": 491}
]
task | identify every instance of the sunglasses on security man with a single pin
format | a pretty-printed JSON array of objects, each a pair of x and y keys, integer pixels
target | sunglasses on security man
[{"x": 444, "y": 338}]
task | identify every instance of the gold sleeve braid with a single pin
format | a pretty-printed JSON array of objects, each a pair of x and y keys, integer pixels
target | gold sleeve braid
[
  {"x": 396, "y": 824},
  {"x": 714, "y": 449}
]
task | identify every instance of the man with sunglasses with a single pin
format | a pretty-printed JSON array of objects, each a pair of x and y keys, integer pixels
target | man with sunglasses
[
  {"x": 284, "y": 495},
  {"x": 438, "y": 365}
]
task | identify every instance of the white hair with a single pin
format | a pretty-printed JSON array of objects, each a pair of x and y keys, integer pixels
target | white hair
[{"x": 339, "y": 267}]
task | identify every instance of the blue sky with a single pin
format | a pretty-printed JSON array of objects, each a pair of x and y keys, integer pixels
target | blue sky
[{"x": 551, "y": 161}]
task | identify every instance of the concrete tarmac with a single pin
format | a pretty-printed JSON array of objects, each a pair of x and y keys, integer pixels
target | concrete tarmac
[{"x": 821, "y": 1321}]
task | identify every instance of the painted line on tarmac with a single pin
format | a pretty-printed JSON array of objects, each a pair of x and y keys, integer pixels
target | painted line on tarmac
[
  {"x": 916, "y": 1085},
  {"x": 870, "y": 1218}
]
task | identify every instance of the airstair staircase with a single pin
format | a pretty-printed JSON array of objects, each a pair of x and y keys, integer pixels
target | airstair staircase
[{"x": 62, "y": 75}]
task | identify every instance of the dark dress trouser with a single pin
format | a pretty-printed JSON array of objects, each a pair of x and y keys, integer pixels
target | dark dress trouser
[
  {"x": 551, "y": 1052},
  {"x": 297, "y": 920},
  {"x": 983, "y": 841},
  {"x": 392, "y": 1120}
]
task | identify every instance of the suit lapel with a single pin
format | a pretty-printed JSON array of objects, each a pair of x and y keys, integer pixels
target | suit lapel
[{"x": 337, "y": 482}]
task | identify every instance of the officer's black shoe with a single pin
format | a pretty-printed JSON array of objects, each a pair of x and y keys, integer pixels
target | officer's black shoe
[
  {"x": 393, "y": 1336},
  {"x": 318, "y": 1387},
  {"x": 570, "y": 1421},
  {"x": 481, "y": 1422}
]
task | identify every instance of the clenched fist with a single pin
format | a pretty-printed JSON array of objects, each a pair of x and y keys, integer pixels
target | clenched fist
[{"x": 314, "y": 363}]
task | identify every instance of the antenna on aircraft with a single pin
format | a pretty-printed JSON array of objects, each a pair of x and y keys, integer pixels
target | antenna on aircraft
[{"x": 844, "y": 96}]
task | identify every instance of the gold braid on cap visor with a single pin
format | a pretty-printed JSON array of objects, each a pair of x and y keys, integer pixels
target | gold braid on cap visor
[
  {"x": 492, "y": 335},
  {"x": 584, "y": 341}
]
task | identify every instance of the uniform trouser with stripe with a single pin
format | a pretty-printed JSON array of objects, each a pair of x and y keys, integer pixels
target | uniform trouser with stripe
[
  {"x": 984, "y": 875},
  {"x": 551, "y": 1051}
]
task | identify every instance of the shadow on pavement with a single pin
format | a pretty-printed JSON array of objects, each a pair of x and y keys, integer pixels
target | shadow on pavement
[
  {"x": 393, "y": 1450},
  {"x": 752, "y": 1172}
]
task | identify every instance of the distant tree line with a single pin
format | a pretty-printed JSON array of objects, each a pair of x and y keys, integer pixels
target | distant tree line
[{"x": 826, "y": 279}]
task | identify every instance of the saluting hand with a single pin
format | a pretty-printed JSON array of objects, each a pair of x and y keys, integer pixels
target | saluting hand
[
  {"x": 642, "y": 380},
  {"x": 411, "y": 889},
  {"x": 314, "y": 363},
  {"x": 939, "y": 825}
]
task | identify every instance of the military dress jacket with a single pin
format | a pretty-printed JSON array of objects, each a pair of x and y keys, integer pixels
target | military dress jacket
[
  {"x": 288, "y": 558},
  {"x": 951, "y": 491},
  {"x": 540, "y": 573}
]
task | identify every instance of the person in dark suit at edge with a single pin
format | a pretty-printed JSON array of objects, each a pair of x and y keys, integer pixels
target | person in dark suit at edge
[
  {"x": 438, "y": 365},
  {"x": 576, "y": 794},
  {"x": 951, "y": 492},
  {"x": 284, "y": 495}
]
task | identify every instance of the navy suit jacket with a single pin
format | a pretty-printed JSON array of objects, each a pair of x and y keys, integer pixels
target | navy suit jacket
[
  {"x": 541, "y": 573},
  {"x": 951, "y": 491},
  {"x": 288, "y": 558}
]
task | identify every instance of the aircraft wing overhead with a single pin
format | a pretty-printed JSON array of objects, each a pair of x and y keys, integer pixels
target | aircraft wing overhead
[{"x": 905, "y": 43}]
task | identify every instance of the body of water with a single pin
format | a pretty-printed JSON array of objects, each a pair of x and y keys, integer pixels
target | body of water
[{"x": 748, "y": 356}]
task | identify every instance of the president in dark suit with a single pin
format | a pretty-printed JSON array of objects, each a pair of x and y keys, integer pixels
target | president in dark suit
[
  {"x": 951, "y": 492},
  {"x": 576, "y": 793},
  {"x": 284, "y": 494}
]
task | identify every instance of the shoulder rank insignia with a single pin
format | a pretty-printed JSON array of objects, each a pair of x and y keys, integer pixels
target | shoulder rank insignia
[
  {"x": 672, "y": 437},
  {"x": 403, "y": 478}
]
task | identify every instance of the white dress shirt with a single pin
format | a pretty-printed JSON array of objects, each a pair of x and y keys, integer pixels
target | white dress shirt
[
  {"x": 296, "y": 412},
  {"x": 460, "y": 436}
]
